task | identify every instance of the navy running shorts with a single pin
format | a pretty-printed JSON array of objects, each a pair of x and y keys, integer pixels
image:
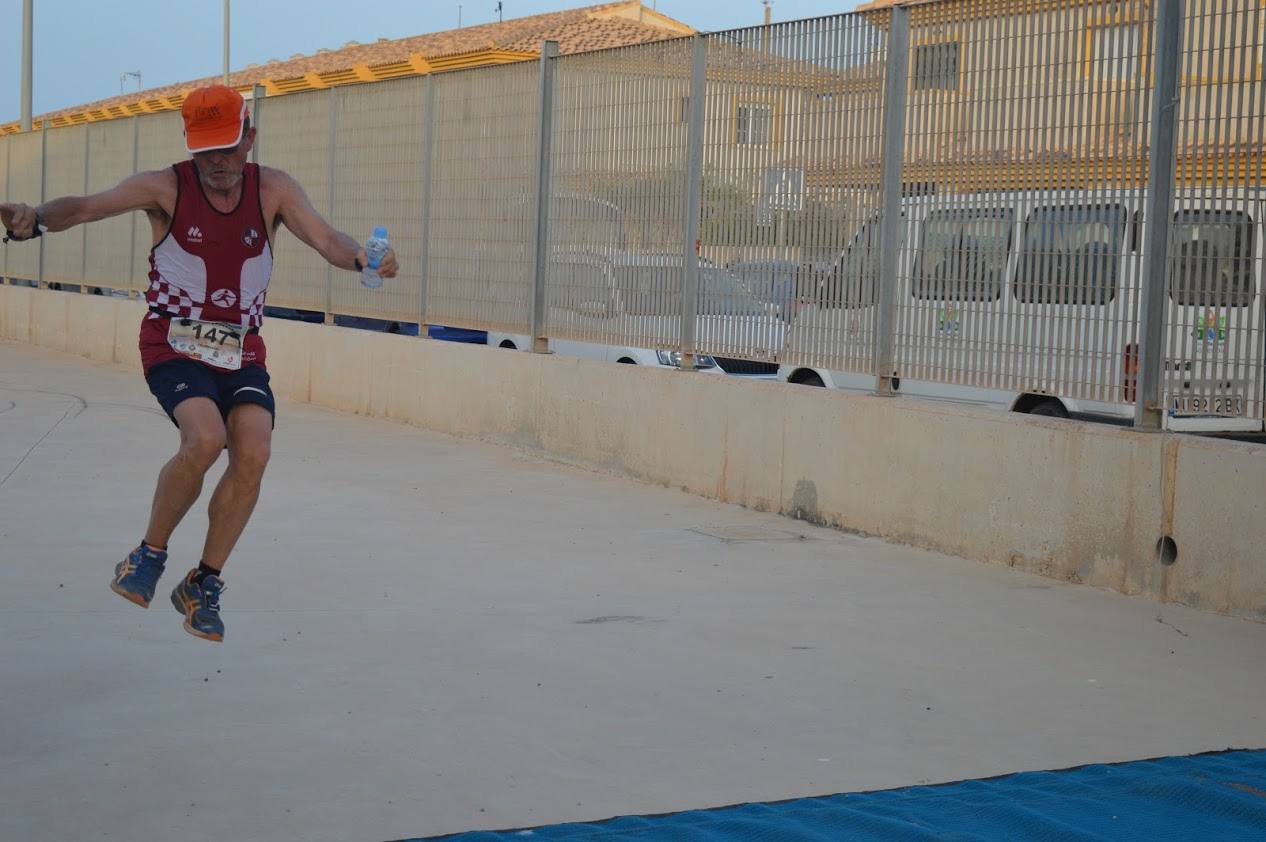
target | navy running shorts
[{"x": 175, "y": 381}]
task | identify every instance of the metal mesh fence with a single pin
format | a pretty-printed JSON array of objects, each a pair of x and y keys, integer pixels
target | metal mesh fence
[
  {"x": 67, "y": 153},
  {"x": 482, "y": 202},
  {"x": 25, "y": 180},
  {"x": 295, "y": 136},
  {"x": 617, "y": 195},
  {"x": 1024, "y": 159},
  {"x": 160, "y": 142},
  {"x": 378, "y": 181},
  {"x": 5, "y": 143},
  {"x": 108, "y": 244},
  {"x": 792, "y": 148},
  {"x": 1214, "y": 332}
]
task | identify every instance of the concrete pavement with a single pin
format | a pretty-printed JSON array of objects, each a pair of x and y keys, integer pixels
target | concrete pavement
[{"x": 428, "y": 635}]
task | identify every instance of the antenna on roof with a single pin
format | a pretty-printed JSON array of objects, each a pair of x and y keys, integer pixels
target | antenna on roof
[
  {"x": 459, "y": 15},
  {"x": 500, "y": 16},
  {"x": 133, "y": 74}
]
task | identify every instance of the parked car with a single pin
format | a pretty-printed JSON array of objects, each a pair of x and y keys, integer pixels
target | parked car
[
  {"x": 294, "y": 314},
  {"x": 773, "y": 282},
  {"x": 441, "y": 332},
  {"x": 639, "y": 295}
]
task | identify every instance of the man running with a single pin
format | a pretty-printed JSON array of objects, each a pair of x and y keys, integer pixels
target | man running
[{"x": 214, "y": 218}]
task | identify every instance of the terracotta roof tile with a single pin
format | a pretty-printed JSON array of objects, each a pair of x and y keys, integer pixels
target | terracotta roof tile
[{"x": 576, "y": 30}]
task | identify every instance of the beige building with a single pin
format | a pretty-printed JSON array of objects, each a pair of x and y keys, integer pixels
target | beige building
[
  {"x": 1000, "y": 86},
  {"x": 584, "y": 29}
]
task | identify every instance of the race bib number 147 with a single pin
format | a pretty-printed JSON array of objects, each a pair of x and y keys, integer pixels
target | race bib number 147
[{"x": 213, "y": 343}]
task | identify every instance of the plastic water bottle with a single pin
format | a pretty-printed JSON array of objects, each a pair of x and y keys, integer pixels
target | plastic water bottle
[{"x": 375, "y": 249}]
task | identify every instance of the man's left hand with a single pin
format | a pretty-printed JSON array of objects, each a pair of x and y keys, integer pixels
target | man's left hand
[{"x": 387, "y": 267}]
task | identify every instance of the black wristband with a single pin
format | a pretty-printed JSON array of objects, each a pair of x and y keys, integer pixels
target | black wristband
[
  {"x": 39, "y": 232},
  {"x": 356, "y": 263}
]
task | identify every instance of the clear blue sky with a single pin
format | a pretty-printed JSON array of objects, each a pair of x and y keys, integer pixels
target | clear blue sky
[{"x": 82, "y": 47}]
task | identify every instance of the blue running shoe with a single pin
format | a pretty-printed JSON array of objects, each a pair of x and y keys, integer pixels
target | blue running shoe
[
  {"x": 201, "y": 606},
  {"x": 136, "y": 576}
]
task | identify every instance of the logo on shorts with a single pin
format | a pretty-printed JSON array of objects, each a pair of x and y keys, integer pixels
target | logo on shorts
[
  {"x": 181, "y": 387},
  {"x": 250, "y": 238},
  {"x": 224, "y": 298},
  {"x": 195, "y": 234}
]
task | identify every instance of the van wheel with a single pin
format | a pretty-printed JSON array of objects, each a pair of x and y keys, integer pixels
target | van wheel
[
  {"x": 1049, "y": 409},
  {"x": 506, "y": 343},
  {"x": 626, "y": 361},
  {"x": 807, "y": 378}
]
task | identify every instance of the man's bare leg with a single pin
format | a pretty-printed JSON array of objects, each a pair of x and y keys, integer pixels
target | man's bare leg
[
  {"x": 250, "y": 433},
  {"x": 202, "y": 438}
]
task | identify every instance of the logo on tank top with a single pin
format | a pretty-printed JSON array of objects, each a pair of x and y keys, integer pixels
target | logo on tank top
[
  {"x": 224, "y": 298},
  {"x": 195, "y": 234},
  {"x": 250, "y": 238}
]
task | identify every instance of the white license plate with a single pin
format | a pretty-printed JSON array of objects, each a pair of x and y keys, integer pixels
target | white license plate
[{"x": 1218, "y": 405}]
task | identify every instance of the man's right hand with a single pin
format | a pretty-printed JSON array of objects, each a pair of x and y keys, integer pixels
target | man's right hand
[{"x": 19, "y": 219}]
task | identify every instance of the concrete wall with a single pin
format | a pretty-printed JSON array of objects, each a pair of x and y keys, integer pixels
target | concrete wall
[{"x": 1073, "y": 501}]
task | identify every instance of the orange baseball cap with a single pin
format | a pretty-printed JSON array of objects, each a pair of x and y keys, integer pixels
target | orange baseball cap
[{"x": 214, "y": 118}]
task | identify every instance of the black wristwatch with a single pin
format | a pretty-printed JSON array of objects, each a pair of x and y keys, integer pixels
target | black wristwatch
[
  {"x": 39, "y": 232},
  {"x": 356, "y": 263}
]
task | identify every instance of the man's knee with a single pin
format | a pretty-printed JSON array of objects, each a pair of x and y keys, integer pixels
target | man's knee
[
  {"x": 201, "y": 447},
  {"x": 250, "y": 429},
  {"x": 202, "y": 432},
  {"x": 249, "y": 455}
]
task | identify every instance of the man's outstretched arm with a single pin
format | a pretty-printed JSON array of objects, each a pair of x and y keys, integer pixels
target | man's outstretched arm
[
  {"x": 296, "y": 212},
  {"x": 138, "y": 192}
]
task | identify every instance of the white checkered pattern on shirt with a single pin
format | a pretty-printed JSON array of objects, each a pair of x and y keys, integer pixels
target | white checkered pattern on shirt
[
  {"x": 172, "y": 300},
  {"x": 255, "y": 313}
]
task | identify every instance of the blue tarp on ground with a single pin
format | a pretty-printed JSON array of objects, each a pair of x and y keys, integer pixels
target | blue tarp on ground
[{"x": 1218, "y": 796}]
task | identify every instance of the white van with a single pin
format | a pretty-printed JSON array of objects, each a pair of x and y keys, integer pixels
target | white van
[
  {"x": 635, "y": 299},
  {"x": 1018, "y": 300}
]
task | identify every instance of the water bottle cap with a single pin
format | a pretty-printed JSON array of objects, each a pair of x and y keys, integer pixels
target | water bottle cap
[{"x": 380, "y": 233}]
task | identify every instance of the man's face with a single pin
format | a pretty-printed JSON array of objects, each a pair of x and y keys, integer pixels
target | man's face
[{"x": 221, "y": 169}]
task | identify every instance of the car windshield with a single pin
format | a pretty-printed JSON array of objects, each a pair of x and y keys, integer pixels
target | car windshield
[
  {"x": 770, "y": 281},
  {"x": 652, "y": 284},
  {"x": 721, "y": 293}
]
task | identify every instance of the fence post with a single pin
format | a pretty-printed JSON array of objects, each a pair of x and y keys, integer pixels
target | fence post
[
  {"x": 39, "y": 273},
  {"x": 8, "y": 178},
  {"x": 258, "y": 92},
  {"x": 1167, "y": 36},
  {"x": 540, "y": 240},
  {"x": 694, "y": 203},
  {"x": 131, "y": 261},
  {"x": 329, "y": 270},
  {"x": 896, "y": 83},
  {"x": 83, "y": 252},
  {"x": 428, "y": 149}
]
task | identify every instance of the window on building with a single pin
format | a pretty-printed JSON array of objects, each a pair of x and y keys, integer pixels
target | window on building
[
  {"x": 754, "y": 125},
  {"x": 936, "y": 66}
]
